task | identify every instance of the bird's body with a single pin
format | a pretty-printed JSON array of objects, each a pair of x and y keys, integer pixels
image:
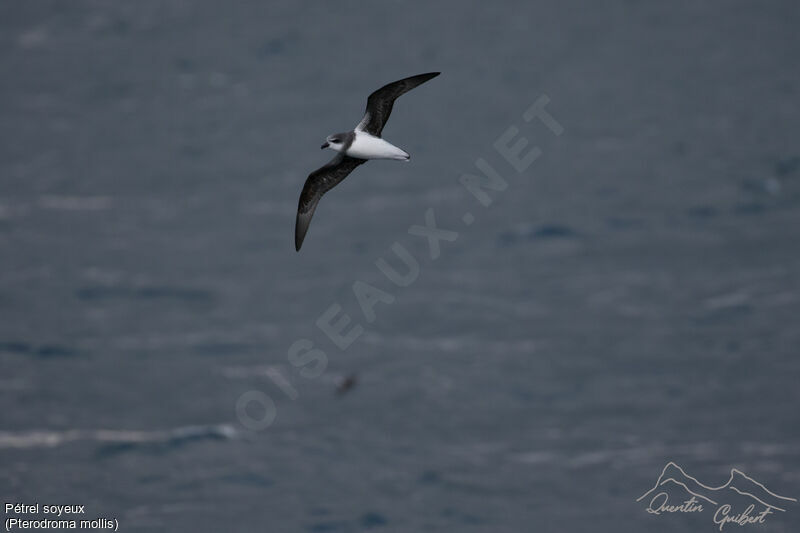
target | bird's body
[
  {"x": 355, "y": 148},
  {"x": 366, "y": 146}
]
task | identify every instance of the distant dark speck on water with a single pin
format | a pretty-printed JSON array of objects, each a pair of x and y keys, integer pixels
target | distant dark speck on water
[{"x": 347, "y": 384}]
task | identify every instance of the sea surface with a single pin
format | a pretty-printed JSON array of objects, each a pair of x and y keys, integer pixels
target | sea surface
[{"x": 629, "y": 297}]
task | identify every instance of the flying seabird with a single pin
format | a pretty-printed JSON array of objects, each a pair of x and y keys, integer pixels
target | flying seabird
[
  {"x": 346, "y": 384},
  {"x": 354, "y": 148}
]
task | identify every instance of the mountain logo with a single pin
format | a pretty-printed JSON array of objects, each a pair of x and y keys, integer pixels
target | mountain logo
[{"x": 741, "y": 500}]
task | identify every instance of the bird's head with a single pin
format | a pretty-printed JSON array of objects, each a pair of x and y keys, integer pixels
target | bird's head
[{"x": 335, "y": 142}]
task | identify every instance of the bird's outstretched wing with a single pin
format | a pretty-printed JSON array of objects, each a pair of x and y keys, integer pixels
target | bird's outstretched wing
[
  {"x": 318, "y": 183},
  {"x": 379, "y": 103}
]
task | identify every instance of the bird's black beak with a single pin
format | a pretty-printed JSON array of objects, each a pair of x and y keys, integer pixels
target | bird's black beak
[{"x": 324, "y": 145}]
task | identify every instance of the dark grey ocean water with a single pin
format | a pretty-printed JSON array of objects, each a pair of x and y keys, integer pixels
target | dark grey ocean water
[{"x": 631, "y": 298}]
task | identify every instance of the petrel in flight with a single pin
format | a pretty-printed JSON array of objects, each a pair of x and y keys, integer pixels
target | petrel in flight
[{"x": 354, "y": 148}]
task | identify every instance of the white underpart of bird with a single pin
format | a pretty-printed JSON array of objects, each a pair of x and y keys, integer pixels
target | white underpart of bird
[
  {"x": 366, "y": 146},
  {"x": 353, "y": 149}
]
